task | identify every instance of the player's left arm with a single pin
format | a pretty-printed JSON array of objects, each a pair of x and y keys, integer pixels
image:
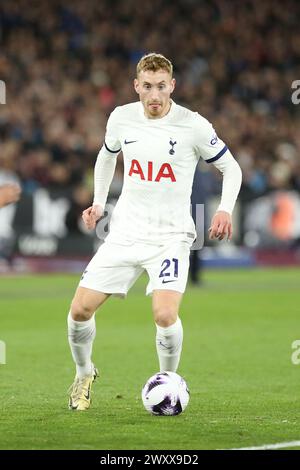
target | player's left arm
[
  {"x": 214, "y": 151},
  {"x": 221, "y": 224}
]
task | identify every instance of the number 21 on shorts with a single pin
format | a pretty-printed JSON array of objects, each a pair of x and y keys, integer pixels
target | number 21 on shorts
[{"x": 169, "y": 268}]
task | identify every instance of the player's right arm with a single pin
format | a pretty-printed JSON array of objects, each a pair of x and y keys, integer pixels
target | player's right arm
[
  {"x": 9, "y": 193},
  {"x": 103, "y": 172}
]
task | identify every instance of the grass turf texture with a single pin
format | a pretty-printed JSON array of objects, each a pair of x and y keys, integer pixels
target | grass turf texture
[{"x": 238, "y": 330}]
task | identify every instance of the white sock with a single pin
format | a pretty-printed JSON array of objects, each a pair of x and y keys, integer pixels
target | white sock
[
  {"x": 169, "y": 345},
  {"x": 81, "y": 335}
]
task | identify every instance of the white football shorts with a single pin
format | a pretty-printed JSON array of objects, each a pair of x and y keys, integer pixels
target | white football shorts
[{"x": 115, "y": 267}]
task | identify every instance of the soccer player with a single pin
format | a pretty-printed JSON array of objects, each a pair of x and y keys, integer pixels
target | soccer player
[
  {"x": 9, "y": 193},
  {"x": 151, "y": 227}
]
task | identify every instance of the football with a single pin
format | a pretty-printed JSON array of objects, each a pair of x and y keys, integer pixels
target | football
[{"x": 165, "y": 394}]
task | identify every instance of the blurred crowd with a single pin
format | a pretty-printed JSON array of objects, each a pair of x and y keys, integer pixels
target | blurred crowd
[{"x": 67, "y": 64}]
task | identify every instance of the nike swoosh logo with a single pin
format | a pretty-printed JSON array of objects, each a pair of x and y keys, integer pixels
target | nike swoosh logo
[
  {"x": 129, "y": 141},
  {"x": 88, "y": 394},
  {"x": 165, "y": 282},
  {"x": 164, "y": 346}
]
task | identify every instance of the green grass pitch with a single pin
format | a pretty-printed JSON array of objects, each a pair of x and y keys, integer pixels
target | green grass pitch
[{"x": 238, "y": 332}]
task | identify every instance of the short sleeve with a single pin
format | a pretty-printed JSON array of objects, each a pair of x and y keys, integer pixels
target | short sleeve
[
  {"x": 112, "y": 142},
  {"x": 207, "y": 144}
]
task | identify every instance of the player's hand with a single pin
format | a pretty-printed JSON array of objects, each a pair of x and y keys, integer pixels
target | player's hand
[
  {"x": 9, "y": 193},
  {"x": 221, "y": 226},
  {"x": 91, "y": 215}
]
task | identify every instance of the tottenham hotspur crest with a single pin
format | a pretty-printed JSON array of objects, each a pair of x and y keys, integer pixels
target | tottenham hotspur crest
[{"x": 172, "y": 151}]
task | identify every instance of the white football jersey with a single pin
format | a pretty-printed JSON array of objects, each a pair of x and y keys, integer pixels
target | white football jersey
[{"x": 160, "y": 156}]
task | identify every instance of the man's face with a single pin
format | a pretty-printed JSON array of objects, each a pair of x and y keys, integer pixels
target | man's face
[{"x": 154, "y": 90}]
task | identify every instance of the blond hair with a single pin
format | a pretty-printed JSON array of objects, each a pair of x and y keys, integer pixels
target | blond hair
[{"x": 154, "y": 62}]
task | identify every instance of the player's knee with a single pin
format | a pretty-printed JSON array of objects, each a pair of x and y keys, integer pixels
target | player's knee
[
  {"x": 80, "y": 311},
  {"x": 165, "y": 316}
]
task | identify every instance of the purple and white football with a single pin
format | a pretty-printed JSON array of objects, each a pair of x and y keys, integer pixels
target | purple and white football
[{"x": 165, "y": 394}]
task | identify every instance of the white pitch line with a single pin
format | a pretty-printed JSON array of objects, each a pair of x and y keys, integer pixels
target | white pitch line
[{"x": 280, "y": 445}]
